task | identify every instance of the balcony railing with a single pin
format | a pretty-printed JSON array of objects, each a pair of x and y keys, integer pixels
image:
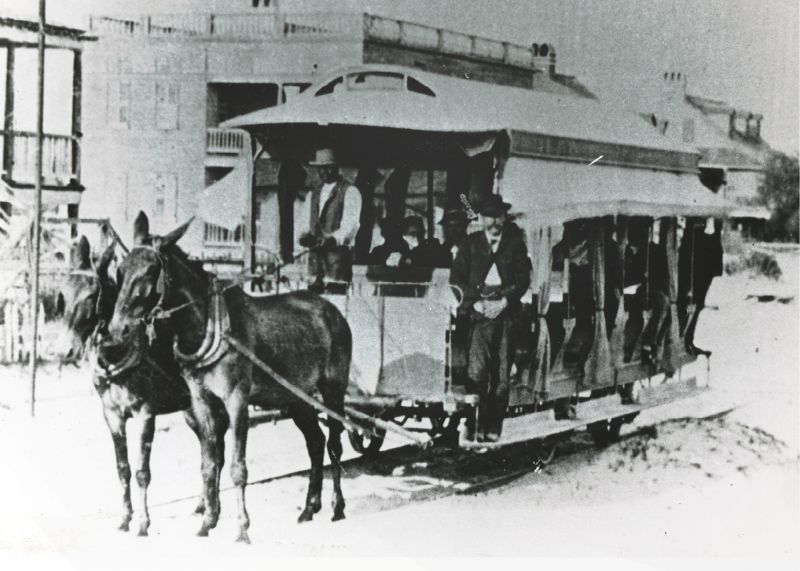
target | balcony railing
[
  {"x": 358, "y": 27},
  {"x": 57, "y": 161},
  {"x": 224, "y": 141}
]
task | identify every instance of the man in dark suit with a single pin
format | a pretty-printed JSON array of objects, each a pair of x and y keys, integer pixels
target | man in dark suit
[{"x": 492, "y": 270}]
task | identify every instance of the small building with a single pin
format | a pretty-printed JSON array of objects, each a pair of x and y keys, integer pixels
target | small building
[
  {"x": 733, "y": 153},
  {"x": 158, "y": 86}
]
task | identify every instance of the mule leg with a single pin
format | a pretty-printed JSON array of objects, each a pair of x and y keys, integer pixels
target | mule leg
[
  {"x": 143, "y": 469},
  {"x": 195, "y": 426},
  {"x": 335, "y": 430},
  {"x": 237, "y": 411},
  {"x": 212, "y": 419},
  {"x": 116, "y": 424},
  {"x": 305, "y": 418}
]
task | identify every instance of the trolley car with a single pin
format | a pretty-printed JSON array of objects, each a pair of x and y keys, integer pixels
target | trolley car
[{"x": 591, "y": 186}]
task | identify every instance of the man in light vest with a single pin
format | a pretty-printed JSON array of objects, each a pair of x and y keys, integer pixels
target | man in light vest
[{"x": 335, "y": 213}]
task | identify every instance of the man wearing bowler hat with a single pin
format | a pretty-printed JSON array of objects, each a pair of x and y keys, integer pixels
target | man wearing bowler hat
[
  {"x": 493, "y": 271},
  {"x": 335, "y": 213}
]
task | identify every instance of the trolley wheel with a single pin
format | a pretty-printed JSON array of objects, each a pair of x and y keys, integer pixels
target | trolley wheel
[
  {"x": 605, "y": 432},
  {"x": 366, "y": 444}
]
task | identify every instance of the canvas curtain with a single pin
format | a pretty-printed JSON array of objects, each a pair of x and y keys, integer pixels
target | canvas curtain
[
  {"x": 598, "y": 370},
  {"x": 542, "y": 255},
  {"x": 672, "y": 331},
  {"x": 617, "y": 340}
]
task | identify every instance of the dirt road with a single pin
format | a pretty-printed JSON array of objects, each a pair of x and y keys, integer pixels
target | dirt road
[{"x": 725, "y": 486}]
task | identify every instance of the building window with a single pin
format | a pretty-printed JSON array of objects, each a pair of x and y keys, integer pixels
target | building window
[
  {"x": 119, "y": 104},
  {"x": 688, "y": 130},
  {"x": 165, "y": 196},
  {"x": 167, "y": 96}
]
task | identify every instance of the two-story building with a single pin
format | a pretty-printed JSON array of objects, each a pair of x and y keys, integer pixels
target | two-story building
[
  {"x": 158, "y": 86},
  {"x": 61, "y": 151},
  {"x": 733, "y": 153}
]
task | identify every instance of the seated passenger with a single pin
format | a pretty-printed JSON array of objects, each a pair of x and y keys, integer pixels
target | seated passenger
[
  {"x": 393, "y": 248},
  {"x": 646, "y": 271},
  {"x": 581, "y": 294},
  {"x": 422, "y": 252},
  {"x": 454, "y": 227}
]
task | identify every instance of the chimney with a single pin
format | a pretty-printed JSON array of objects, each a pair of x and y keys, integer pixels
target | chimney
[
  {"x": 674, "y": 84},
  {"x": 545, "y": 52}
]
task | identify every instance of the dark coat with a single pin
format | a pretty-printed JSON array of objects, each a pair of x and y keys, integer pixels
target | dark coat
[{"x": 475, "y": 257}]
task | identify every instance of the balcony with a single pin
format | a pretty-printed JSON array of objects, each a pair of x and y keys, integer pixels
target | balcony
[
  {"x": 322, "y": 26},
  {"x": 225, "y": 141},
  {"x": 58, "y": 166}
]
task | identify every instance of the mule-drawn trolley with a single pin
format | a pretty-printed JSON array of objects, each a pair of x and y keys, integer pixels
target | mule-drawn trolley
[{"x": 593, "y": 188}]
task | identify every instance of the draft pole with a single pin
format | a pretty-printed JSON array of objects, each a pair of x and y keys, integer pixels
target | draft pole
[{"x": 37, "y": 206}]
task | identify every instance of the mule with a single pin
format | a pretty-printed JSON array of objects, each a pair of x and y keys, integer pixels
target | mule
[
  {"x": 139, "y": 391},
  {"x": 301, "y": 335}
]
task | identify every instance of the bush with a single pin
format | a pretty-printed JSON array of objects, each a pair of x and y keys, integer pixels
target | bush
[
  {"x": 759, "y": 263},
  {"x": 781, "y": 194}
]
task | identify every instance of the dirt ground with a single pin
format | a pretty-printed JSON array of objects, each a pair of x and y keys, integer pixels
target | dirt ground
[{"x": 714, "y": 476}]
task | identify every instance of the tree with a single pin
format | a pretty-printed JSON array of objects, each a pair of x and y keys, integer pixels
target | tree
[{"x": 781, "y": 195}]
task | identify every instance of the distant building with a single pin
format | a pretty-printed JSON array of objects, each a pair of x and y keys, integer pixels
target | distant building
[
  {"x": 733, "y": 153},
  {"x": 61, "y": 160},
  {"x": 158, "y": 86}
]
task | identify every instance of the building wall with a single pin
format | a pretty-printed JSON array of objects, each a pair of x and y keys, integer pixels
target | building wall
[{"x": 146, "y": 112}]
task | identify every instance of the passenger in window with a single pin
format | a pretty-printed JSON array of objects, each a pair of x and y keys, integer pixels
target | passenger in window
[
  {"x": 336, "y": 212},
  {"x": 493, "y": 272},
  {"x": 454, "y": 227},
  {"x": 647, "y": 278},
  {"x": 393, "y": 248},
  {"x": 422, "y": 252}
]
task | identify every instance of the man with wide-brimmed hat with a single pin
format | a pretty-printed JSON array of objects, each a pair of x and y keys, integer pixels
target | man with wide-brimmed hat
[
  {"x": 493, "y": 271},
  {"x": 335, "y": 215}
]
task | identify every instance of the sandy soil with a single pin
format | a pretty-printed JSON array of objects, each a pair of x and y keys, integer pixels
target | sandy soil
[{"x": 689, "y": 486}]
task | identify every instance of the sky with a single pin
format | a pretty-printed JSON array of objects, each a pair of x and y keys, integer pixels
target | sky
[{"x": 745, "y": 52}]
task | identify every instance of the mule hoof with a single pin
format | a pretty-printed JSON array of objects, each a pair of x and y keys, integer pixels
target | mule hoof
[
  {"x": 243, "y": 537},
  {"x": 338, "y": 516},
  {"x": 202, "y": 532},
  {"x": 307, "y": 515},
  {"x": 142, "y": 532},
  {"x": 201, "y": 508},
  {"x": 124, "y": 526}
]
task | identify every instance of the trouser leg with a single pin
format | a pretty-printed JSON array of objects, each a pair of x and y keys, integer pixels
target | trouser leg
[
  {"x": 478, "y": 369},
  {"x": 499, "y": 391}
]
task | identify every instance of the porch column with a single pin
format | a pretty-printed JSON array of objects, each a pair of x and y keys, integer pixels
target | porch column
[
  {"x": 77, "y": 96},
  {"x": 8, "y": 117}
]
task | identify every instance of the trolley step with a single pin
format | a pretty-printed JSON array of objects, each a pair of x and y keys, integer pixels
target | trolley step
[{"x": 539, "y": 425}]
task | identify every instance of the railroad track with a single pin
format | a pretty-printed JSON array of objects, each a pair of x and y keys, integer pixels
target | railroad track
[{"x": 407, "y": 474}]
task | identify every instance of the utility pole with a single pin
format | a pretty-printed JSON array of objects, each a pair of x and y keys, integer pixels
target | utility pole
[{"x": 37, "y": 206}]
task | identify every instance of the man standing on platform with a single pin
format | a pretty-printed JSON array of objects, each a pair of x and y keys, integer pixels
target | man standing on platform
[
  {"x": 335, "y": 212},
  {"x": 493, "y": 271}
]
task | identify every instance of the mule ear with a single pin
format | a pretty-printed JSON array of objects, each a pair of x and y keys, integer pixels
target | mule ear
[
  {"x": 141, "y": 228},
  {"x": 105, "y": 260},
  {"x": 170, "y": 239},
  {"x": 80, "y": 254}
]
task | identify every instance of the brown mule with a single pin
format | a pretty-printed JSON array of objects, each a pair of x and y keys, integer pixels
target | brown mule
[
  {"x": 301, "y": 335},
  {"x": 141, "y": 391}
]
